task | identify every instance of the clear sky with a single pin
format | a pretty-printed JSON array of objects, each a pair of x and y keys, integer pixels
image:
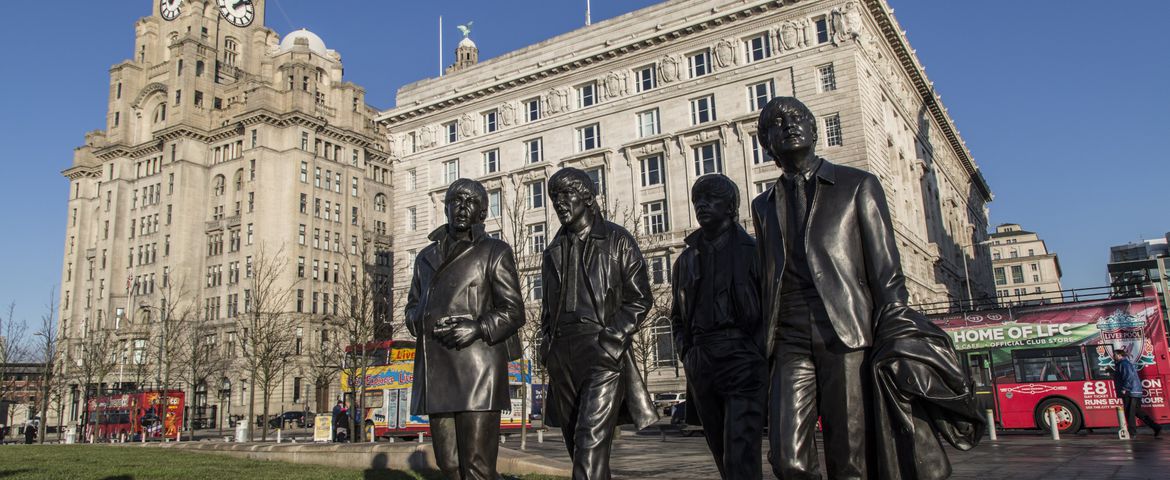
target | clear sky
[{"x": 1065, "y": 105}]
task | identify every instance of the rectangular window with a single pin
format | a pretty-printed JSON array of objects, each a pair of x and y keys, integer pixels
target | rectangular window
[
  {"x": 822, "y": 25},
  {"x": 827, "y": 78},
  {"x": 762, "y": 187},
  {"x": 654, "y": 218},
  {"x": 491, "y": 161},
  {"x": 411, "y": 219},
  {"x": 759, "y": 94},
  {"x": 645, "y": 78},
  {"x": 536, "y": 194},
  {"x": 452, "y": 130},
  {"x": 659, "y": 270},
  {"x": 304, "y": 172},
  {"x": 587, "y": 95},
  {"x": 588, "y": 137},
  {"x": 536, "y": 238},
  {"x": 450, "y": 171},
  {"x": 532, "y": 109},
  {"x": 652, "y": 171},
  {"x": 494, "y": 203},
  {"x": 1048, "y": 365},
  {"x": 758, "y": 47},
  {"x": 833, "y": 136},
  {"x": 648, "y": 123},
  {"x": 411, "y": 179},
  {"x": 708, "y": 159},
  {"x": 699, "y": 63},
  {"x": 1000, "y": 277},
  {"x": 598, "y": 177},
  {"x": 534, "y": 150},
  {"x": 758, "y": 155},
  {"x": 1017, "y": 274},
  {"x": 535, "y": 287},
  {"x": 702, "y": 109},
  {"x": 489, "y": 121}
]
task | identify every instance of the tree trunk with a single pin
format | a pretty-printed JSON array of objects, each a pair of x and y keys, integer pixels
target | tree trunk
[
  {"x": 251, "y": 407},
  {"x": 264, "y": 419}
]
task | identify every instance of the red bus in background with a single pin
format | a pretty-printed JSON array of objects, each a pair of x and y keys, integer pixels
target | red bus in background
[
  {"x": 133, "y": 413},
  {"x": 1025, "y": 360}
]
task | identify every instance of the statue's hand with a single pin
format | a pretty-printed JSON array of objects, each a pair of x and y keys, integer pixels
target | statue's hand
[{"x": 458, "y": 332}]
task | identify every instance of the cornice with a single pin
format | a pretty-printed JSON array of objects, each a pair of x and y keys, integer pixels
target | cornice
[
  {"x": 892, "y": 33},
  {"x": 606, "y": 54}
]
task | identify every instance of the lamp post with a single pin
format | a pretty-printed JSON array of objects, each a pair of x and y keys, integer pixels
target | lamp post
[{"x": 966, "y": 270}]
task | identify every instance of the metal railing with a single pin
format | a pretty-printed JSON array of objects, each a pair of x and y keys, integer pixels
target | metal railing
[{"x": 1121, "y": 290}]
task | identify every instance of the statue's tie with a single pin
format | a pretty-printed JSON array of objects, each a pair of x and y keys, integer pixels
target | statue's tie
[
  {"x": 801, "y": 200},
  {"x": 573, "y": 256}
]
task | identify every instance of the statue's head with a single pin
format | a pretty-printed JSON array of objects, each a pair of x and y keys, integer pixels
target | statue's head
[
  {"x": 572, "y": 193},
  {"x": 465, "y": 204},
  {"x": 787, "y": 131},
  {"x": 716, "y": 200}
]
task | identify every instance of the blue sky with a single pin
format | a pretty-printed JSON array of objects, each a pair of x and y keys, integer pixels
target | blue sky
[{"x": 1064, "y": 105}]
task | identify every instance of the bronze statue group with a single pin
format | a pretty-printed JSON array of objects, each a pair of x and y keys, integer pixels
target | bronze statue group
[{"x": 806, "y": 321}]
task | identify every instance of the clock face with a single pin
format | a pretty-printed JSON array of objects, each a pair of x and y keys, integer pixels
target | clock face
[
  {"x": 239, "y": 12},
  {"x": 169, "y": 8}
]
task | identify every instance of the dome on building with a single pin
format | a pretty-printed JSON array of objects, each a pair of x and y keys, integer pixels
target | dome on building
[
  {"x": 305, "y": 38},
  {"x": 466, "y": 42}
]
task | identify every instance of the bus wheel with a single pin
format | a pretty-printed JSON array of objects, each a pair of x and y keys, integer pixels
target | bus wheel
[{"x": 1068, "y": 417}]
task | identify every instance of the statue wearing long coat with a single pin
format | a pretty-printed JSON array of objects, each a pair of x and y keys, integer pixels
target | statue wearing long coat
[{"x": 479, "y": 282}]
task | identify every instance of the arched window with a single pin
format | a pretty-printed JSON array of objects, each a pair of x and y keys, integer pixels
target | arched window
[
  {"x": 379, "y": 203},
  {"x": 238, "y": 182},
  {"x": 160, "y": 113},
  {"x": 218, "y": 186},
  {"x": 230, "y": 51},
  {"x": 199, "y": 68}
]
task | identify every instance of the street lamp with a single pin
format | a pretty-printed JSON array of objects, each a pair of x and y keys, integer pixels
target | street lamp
[{"x": 966, "y": 271}]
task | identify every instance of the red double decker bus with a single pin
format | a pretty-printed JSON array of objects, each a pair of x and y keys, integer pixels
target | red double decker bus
[
  {"x": 1025, "y": 360},
  {"x": 133, "y": 413}
]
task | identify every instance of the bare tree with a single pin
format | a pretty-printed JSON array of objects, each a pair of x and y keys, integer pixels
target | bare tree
[
  {"x": 47, "y": 352},
  {"x": 12, "y": 352},
  {"x": 268, "y": 330},
  {"x": 324, "y": 360},
  {"x": 364, "y": 316},
  {"x": 198, "y": 357},
  {"x": 96, "y": 360}
]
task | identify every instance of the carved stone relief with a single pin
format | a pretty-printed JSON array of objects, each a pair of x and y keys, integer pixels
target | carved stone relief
[
  {"x": 507, "y": 114},
  {"x": 392, "y": 145},
  {"x": 615, "y": 84},
  {"x": 668, "y": 69},
  {"x": 725, "y": 53},
  {"x": 558, "y": 100},
  {"x": 466, "y": 126},
  {"x": 426, "y": 137}
]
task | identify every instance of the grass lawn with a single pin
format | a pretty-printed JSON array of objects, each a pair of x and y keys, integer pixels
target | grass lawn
[{"x": 102, "y": 462}]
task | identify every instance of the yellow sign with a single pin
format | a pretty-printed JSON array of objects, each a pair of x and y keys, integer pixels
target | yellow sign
[
  {"x": 323, "y": 428},
  {"x": 397, "y": 375}
]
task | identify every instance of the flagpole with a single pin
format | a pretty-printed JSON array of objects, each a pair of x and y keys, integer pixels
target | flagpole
[
  {"x": 440, "y": 45},
  {"x": 587, "y": 19}
]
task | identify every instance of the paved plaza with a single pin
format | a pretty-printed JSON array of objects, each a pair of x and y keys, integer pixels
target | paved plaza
[{"x": 1025, "y": 455}]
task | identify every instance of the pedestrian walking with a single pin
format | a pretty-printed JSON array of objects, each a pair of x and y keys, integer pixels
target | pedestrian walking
[
  {"x": 339, "y": 414},
  {"x": 1129, "y": 389},
  {"x": 30, "y": 433}
]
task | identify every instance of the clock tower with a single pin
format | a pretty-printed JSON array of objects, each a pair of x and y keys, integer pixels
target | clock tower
[{"x": 225, "y": 147}]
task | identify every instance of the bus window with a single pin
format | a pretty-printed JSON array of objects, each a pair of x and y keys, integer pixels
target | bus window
[
  {"x": 979, "y": 367},
  {"x": 1100, "y": 361},
  {"x": 1049, "y": 365}
]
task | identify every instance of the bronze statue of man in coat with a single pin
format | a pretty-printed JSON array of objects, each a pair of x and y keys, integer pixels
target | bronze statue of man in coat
[
  {"x": 835, "y": 303},
  {"x": 464, "y": 308},
  {"x": 718, "y": 327},
  {"x": 596, "y": 295}
]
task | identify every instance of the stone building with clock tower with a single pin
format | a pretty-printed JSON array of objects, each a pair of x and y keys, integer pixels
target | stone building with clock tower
[{"x": 238, "y": 176}]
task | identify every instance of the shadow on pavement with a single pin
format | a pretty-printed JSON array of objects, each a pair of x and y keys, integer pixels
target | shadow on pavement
[{"x": 379, "y": 469}]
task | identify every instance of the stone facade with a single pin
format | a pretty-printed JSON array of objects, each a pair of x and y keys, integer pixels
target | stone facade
[
  {"x": 1025, "y": 271},
  {"x": 224, "y": 144},
  {"x": 648, "y": 101}
]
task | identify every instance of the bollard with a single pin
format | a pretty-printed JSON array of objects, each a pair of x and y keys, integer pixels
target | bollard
[
  {"x": 540, "y": 436},
  {"x": 121, "y": 438},
  {"x": 420, "y": 437},
  {"x": 1122, "y": 425},
  {"x": 371, "y": 436},
  {"x": 278, "y": 435},
  {"x": 391, "y": 439},
  {"x": 1055, "y": 430},
  {"x": 503, "y": 439},
  {"x": 991, "y": 424},
  {"x": 178, "y": 435}
]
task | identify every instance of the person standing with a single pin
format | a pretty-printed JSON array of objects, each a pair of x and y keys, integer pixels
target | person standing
[
  {"x": 30, "y": 433},
  {"x": 719, "y": 329},
  {"x": 1128, "y": 387},
  {"x": 596, "y": 297},
  {"x": 464, "y": 307},
  {"x": 338, "y": 419}
]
